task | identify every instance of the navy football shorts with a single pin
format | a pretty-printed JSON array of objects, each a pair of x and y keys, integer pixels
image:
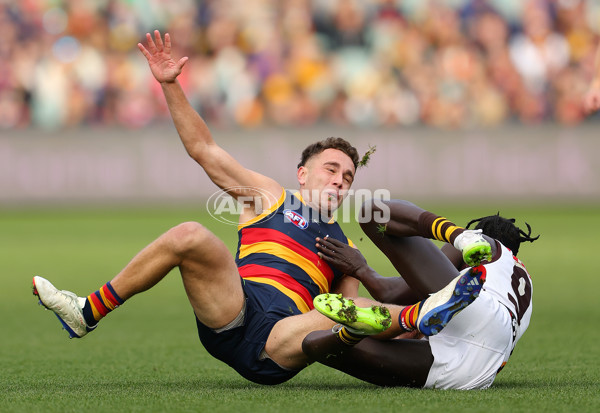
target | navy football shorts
[{"x": 241, "y": 347}]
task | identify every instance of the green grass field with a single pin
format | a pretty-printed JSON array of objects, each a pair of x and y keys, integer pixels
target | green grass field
[{"x": 146, "y": 356}]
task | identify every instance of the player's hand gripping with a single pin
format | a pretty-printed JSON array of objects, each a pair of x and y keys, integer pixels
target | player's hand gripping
[
  {"x": 342, "y": 256},
  {"x": 164, "y": 68}
]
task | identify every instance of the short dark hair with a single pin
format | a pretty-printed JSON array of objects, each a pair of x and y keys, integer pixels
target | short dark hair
[
  {"x": 329, "y": 143},
  {"x": 504, "y": 230}
]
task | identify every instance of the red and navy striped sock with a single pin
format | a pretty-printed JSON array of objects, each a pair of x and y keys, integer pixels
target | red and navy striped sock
[
  {"x": 408, "y": 316},
  {"x": 100, "y": 303}
]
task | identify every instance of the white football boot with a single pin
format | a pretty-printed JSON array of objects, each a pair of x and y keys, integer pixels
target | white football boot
[
  {"x": 437, "y": 310},
  {"x": 67, "y": 306},
  {"x": 473, "y": 246}
]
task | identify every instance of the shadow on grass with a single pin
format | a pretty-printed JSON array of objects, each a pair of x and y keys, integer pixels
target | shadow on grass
[
  {"x": 209, "y": 385},
  {"x": 216, "y": 382}
]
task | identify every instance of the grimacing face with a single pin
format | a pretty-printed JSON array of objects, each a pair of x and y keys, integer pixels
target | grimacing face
[{"x": 326, "y": 178}]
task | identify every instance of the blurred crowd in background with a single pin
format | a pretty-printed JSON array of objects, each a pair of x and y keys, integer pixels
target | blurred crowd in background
[{"x": 444, "y": 63}]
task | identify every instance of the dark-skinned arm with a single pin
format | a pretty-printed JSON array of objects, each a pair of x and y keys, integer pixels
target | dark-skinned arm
[{"x": 351, "y": 262}]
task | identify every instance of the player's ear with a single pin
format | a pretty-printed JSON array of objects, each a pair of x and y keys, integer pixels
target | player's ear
[{"x": 301, "y": 174}]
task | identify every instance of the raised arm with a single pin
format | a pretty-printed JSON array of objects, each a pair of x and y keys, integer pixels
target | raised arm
[{"x": 222, "y": 168}]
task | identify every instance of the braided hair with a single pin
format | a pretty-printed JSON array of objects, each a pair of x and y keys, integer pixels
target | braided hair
[{"x": 504, "y": 230}]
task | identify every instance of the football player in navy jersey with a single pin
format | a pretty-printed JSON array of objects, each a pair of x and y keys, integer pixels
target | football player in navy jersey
[{"x": 252, "y": 311}]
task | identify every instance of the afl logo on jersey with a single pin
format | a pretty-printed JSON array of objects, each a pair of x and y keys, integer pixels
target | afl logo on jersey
[{"x": 295, "y": 218}]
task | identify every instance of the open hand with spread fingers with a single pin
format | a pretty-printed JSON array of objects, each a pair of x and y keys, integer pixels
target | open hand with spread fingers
[
  {"x": 158, "y": 53},
  {"x": 342, "y": 256}
]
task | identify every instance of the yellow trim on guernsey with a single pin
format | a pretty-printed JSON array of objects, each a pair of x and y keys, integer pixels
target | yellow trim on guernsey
[
  {"x": 278, "y": 250},
  {"x": 265, "y": 212},
  {"x": 299, "y": 196},
  {"x": 302, "y": 306}
]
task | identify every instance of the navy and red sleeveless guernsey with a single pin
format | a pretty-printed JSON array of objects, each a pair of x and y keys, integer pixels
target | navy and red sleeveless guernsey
[
  {"x": 277, "y": 248},
  {"x": 281, "y": 274}
]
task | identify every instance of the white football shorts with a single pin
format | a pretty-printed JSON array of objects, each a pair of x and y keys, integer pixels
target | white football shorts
[{"x": 469, "y": 351}]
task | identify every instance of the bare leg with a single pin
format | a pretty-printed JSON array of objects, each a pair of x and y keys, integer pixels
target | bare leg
[
  {"x": 208, "y": 271},
  {"x": 212, "y": 282},
  {"x": 385, "y": 363},
  {"x": 418, "y": 260},
  {"x": 284, "y": 345}
]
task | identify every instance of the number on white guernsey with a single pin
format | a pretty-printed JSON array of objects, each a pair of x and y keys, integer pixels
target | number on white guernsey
[{"x": 522, "y": 288}]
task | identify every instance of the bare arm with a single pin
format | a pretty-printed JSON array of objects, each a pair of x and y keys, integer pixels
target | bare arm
[
  {"x": 347, "y": 286},
  {"x": 222, "y": 168},
  {"x": 393, "y": 290}
]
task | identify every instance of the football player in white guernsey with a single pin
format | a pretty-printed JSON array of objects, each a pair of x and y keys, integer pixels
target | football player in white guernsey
[{"x": 474, "y": 345}]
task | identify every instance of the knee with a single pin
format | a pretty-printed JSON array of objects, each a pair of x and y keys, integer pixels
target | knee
[
  {"x": 324, "y": 347},
  {"x": 320, "y": 344},
  {"x": 188, "y": 236},
  {"x": 310, "y": 346}
]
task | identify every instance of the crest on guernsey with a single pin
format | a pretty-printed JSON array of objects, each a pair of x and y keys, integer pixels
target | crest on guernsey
[{"x": 295, "y": 218}]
